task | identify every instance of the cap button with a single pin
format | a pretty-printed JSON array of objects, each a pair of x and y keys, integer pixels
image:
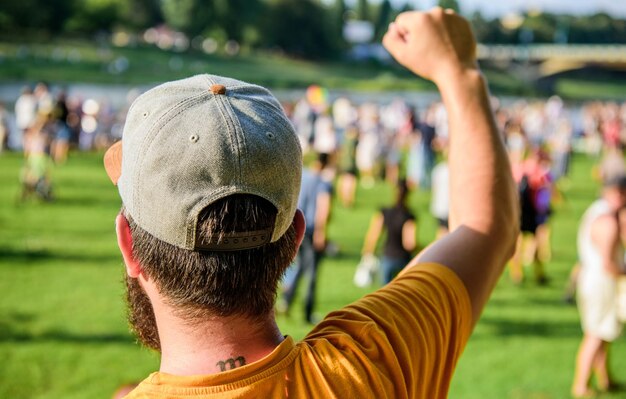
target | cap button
[{"x": 218, "y": 89}]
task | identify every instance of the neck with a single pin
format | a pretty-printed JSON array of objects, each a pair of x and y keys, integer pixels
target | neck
[{"x": 213, "y": 345}]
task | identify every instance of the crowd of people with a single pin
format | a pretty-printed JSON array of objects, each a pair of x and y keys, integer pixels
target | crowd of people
[
  {"x": 45, "y": 124},
  {"x": 363, "y": 142},
  {"x": 397, "y": 141}
]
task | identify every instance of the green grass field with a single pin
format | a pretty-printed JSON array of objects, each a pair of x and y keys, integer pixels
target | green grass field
[{"x": 63, "y": 332}]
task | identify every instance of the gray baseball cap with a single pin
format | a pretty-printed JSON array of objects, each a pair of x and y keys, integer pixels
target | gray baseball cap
[{"x": 191, "y": 142}]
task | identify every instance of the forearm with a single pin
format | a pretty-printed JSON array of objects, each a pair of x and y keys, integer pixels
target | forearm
[
  {"x": 322, "y": 215},
  {"x": 482, "y": 192},
  {"x": 409, "y": 230},
  {"x": 373, "y": 233}
]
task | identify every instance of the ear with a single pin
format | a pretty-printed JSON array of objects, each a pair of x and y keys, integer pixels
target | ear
[
  {"x": 300, "y": 225},
  {"x": 125, "y": 242}
]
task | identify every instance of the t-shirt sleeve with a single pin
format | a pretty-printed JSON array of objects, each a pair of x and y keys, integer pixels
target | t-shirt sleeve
[
  {"x": 409, "y": 333},
  {"x": 326, "y": 187}
]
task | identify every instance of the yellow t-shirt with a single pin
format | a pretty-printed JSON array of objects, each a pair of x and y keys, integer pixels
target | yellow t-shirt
[{"x": 402, "y": 341}]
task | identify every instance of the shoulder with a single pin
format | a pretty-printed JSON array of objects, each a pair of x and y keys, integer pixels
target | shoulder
[
  {"x": 605, "y": 225},
  {"x": 426, "y": 296},
  {"x": 408, "y": 214},
  {"x": 323, "y": 185},
  {"x": 415, "y": 327}
]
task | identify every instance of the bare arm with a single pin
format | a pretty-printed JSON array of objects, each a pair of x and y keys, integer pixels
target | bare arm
[
  {"x": 322, "y": 214},
  {"x": 409, "y": 231},
  {"x": 439, "y": 46},
  {"x": 373, "y": 234},
  {"x": 605, "y": 236},
  {"x": 622, "y": 225}
]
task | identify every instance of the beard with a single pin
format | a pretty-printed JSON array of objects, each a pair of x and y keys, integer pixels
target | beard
[{"x": 141, "y": 315}]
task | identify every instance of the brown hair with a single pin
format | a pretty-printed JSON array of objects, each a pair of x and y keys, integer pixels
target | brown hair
[{"x": 210, "y": 283}]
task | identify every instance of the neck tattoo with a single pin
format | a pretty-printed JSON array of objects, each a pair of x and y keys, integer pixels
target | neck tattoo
[{"x": 231, "y": 363}]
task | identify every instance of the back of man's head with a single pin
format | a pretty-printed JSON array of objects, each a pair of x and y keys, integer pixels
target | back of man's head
[{"x": 209, "y": 174}]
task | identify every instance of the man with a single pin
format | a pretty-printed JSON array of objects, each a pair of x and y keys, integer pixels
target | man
[
  {"x": 210, "y": 168},
  {"x": 399, "y": 223},
  {"x": 601, "y": 255},
  {"x": 314, "y": 201}
]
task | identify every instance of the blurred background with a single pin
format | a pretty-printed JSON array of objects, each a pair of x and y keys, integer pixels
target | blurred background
[{"x": 69, "y": 70}]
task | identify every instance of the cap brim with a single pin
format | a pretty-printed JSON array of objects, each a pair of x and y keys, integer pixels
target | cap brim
[{"x": 113, "y": 162}]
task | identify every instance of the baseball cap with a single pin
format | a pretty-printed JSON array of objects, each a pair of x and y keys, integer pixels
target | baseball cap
[{"x": 191, "y": 142}]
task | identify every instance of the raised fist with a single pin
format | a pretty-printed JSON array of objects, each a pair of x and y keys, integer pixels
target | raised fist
[{"x": 433, "y": 44}]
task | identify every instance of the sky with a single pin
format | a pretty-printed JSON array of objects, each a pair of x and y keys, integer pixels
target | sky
[{"x": 501, "y": 7}]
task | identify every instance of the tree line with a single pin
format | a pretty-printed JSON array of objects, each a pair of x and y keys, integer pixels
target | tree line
[{"x": 302, "y": 28}]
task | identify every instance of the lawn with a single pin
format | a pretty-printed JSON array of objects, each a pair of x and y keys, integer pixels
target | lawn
[{"x": 63, "y": 332}]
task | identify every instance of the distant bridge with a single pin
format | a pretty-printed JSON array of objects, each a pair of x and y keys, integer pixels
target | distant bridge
[{"x": 551, "y": 59}]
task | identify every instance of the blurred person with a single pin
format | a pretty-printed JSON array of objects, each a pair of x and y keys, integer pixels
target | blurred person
[
  {"x": 393, "y": 158},
  {"x": 534, "y": 124},
  {"x": 414, "y": 161},
  {"x": 4, "y": 127},
  {"x": 347, "y": 182},
  {"x": 502, "y": 116},
  {"x": 344, "y": 116},
  {"x": 399, "y": 223},
  {"x": 421, "y": 157},
  {"x": 611, "y": 167},
  {"x": 45, "y": 101},
  {"x": 611, "y": 125},
  {"x": 601, "y": 255},
  {"x": 612, "y": 164},
  {"x": 106, "y": 119},
  {"x": 74, "y": 116},
  {"x": 89, "y": 124},
  {"x": 62, "y": 134},
  {"x": 437, "y": 117},
  {"x": 440, "y": 196},
  {"x": 303, "y": 120},
  {"x": 535, "y": 185},
  {"x": 25, "y": 110},
  {"x": 428, "y": 133},
  {"x": 36, "y": 173},
  {"x": 203, "y": 296},
  {"x": 324, "y": 136},
  {"x": 543, "y": 184},
  {"x": 592, "y": 121},
  {"x": 560, "y": 144},
  {"x": 315, "y": 202},
  {"x": 516, "y": 142},
  {"x": 368, "y": 148},
  {"x": 394, "y": 120}
]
